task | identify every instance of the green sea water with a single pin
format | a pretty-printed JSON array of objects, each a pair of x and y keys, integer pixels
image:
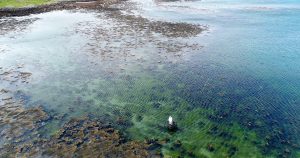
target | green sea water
[{"x": 238, "y": 96}]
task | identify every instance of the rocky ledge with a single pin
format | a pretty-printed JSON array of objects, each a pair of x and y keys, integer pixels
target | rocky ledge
[{"x": 63, "y": 5}]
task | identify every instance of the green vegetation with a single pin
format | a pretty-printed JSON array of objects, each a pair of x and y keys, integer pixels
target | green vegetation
[{"x": 23, "y": 3}]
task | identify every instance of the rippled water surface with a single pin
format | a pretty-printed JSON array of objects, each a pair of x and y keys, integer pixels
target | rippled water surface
[{"x": 233, "y": 90}]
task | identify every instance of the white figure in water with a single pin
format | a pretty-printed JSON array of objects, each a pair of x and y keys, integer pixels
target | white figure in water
[{"x": 170, "y": 120}]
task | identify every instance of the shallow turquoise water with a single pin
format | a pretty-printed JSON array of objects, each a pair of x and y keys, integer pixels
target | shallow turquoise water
[{"x": 239, "y": 93}]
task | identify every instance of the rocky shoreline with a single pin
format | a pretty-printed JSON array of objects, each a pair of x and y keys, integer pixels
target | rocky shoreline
[
  {"x": 21, "y": 127},
  {"x": 63, "y": 5}
]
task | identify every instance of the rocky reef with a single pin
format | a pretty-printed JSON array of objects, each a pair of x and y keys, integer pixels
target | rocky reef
[
  {"x": 168, "y": 29},
  {"x": 15, "y": 121},
  {"x": 84, "y": 138}
]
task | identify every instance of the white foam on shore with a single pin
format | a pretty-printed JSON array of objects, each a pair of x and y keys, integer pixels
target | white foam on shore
[{"x": 161, "y": 10}]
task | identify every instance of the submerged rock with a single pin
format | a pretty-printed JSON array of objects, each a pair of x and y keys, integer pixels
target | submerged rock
[
  {"x": 95, "y": 139},
  {"x": 210, "y": 147},
  {"x": 88, "y": 138},
  {"x": 177, "y": 144},
  {"x": 18, "y": 125},
  {"x": 15, "y": 121}
]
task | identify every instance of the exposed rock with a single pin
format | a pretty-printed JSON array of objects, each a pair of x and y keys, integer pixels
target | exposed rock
[
  {"x": 210, "y": 147},
  {"x": 15, "y": 120},
  {"x": 14, "y": 75},
  {"x": 172, "y": 127},
  {"x": 168, "y": 29},
  {"x": 62, "y": 5}
]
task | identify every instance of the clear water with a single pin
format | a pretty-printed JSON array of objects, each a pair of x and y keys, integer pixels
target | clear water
[{"x": 240, "y": 93}]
